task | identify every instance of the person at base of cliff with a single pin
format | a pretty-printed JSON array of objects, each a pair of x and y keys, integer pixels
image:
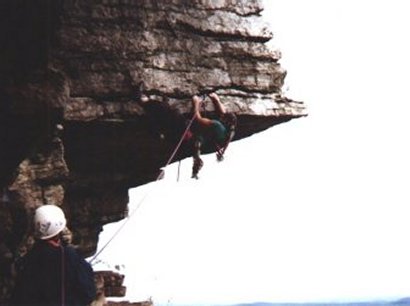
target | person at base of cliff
[
  {"x": 214, "y": 132},
  {"x": 52, "y": 273}
]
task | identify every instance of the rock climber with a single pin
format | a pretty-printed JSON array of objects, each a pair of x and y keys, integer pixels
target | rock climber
[
  {"x": 216, "y": 132},
  {"x": 52, "y": 273},
  {"x": 170, "y": 124}
]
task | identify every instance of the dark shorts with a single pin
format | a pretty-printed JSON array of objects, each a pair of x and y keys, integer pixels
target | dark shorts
[
  {"x": 219, "y": 130},
  {"x": 216, "y": 133}
]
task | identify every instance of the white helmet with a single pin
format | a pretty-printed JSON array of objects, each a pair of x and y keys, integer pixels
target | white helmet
[{"x": 49, "y": 220}]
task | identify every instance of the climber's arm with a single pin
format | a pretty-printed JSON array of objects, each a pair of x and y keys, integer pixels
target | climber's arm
[
  {"x": 220, "y": 109},
  {"x": 196, "y": 102}
]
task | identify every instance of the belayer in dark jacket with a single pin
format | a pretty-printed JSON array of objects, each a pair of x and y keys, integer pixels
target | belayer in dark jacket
[{"x": 53, "y": 273}]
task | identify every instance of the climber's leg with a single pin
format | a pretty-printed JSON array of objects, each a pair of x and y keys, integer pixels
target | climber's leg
[{"x": 198, "y": 163}]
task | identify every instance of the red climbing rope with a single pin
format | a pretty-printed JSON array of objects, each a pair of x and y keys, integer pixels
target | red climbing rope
[{"x": 180, "y": 140}]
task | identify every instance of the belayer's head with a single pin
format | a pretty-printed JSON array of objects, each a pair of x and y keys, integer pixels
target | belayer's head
[{"x": 49, "y": 221}]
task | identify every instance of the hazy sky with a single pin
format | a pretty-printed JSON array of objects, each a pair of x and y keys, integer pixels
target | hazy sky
[{"x": 310, "y": 210}]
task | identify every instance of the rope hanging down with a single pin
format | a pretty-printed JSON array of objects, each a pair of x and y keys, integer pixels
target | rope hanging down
[{"x": 145, "y": 196}]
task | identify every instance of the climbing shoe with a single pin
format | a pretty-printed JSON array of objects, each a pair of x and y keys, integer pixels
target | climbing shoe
[{"x": 198, "y": 164}]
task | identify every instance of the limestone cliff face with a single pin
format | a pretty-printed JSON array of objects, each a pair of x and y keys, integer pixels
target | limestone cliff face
[{"x": 71, "y": 131}]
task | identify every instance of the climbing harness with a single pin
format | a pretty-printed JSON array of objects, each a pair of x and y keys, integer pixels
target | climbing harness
[{"x": 145, "y": 196}]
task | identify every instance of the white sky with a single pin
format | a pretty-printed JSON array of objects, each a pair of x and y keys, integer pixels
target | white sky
[{"x": 310, "y": 210}]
